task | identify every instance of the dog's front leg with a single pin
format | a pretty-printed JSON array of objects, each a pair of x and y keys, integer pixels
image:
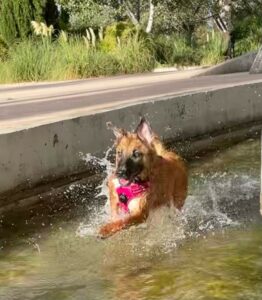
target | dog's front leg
[
  {"x": 113, "y": 197},
  {"x": 113, "y": 227}
]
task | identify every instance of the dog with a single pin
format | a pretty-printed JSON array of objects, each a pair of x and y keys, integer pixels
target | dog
[{"x": 146, "y": 176}]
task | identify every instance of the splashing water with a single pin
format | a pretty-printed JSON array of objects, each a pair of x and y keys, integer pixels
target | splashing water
[
  {"x": 100, "y": 215},
  {"x": 208, "y": 207},
  {"x": 103, "y": 162}
]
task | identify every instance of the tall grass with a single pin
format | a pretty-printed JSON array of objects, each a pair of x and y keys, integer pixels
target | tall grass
[
  {"x": 35, "y": 60},
  {"x": 135, "y": 56},
  {"x": 213, "y": 51},
  {"x": 28, "y": 61},
  {"x": 74, "y": 60}
]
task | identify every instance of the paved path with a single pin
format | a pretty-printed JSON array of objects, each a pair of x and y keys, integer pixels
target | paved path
[{"x": 27, "y": 105}]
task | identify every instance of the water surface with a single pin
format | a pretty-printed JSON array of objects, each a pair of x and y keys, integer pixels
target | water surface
[{"x": 212, "y": 250}]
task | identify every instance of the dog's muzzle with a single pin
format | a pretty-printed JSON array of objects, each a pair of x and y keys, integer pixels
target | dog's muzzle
[{"x": 128, "y": 169}]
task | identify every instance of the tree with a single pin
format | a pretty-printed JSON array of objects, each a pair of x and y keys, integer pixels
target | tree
[
  {"x": 182, "y": 17},
  {"x": 96, "y": 13},
  {"x": 16, "y": 16},
  {"x": 151, "y": 17},
  {"x": 8, "y": 30},
  {"x": 50, "y": 13},
  {"x": 165, "y": 16},
  {"x": 89, "y": 13},
  {"x": 23, "y": 14},
  {"x": 139, "y": 8}
]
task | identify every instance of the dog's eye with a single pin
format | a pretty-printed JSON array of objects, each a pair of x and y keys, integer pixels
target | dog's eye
[
  {"x": 137, "y": 154},
  {"x": 119, "y": 153}
]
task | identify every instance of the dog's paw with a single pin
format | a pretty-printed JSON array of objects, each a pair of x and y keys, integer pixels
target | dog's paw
[{"x": 105, "y": 231}]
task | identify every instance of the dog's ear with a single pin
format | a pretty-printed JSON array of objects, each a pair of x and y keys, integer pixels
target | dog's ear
[
  {"x": 118, "y": 132},
  {"x": 144, "y": 131}
]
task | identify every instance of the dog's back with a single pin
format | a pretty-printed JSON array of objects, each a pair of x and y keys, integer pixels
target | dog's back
[{"x": 170, "y": 178}]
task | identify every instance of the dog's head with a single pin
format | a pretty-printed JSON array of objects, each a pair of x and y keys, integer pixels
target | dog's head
[{"x": 134, "y": 152}]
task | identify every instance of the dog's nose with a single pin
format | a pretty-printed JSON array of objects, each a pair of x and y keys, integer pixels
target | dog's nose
[{"x": 121, "y": 171}]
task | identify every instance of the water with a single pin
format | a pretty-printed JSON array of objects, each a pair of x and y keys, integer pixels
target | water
[{"x": 212, "y": 250}]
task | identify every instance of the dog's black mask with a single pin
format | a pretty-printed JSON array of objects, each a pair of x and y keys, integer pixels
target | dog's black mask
[{"x": 129, "y": 168}]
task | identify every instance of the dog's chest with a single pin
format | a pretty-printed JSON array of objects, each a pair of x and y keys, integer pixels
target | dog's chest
[{"x": 134, "y": 205}]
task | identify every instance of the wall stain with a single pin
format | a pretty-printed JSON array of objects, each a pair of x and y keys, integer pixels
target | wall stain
[{"x": 55, "y": 140}]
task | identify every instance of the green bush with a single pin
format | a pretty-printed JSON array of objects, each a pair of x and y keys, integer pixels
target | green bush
[
  {"x": 175, "y": 50},
  {"x": 247, "y": 44},
  {"x": 117, "y": 33},
  {"x": 206, "y": 48},
  {"x": 248, "y": 34}
]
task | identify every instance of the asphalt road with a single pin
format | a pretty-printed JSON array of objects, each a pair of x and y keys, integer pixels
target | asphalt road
[{"x": 27, "y": 105}]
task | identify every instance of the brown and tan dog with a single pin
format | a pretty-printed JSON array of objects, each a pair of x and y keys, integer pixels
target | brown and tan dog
[{"x": 146, "y": 177}]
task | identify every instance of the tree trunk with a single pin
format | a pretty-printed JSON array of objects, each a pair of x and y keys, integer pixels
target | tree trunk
[
  {"x": 224, "y": 24},
  {"x": 151, "y": 17},
  {"x": 131, "y": 15},
  {"x": 138, "y": 10},
  {"x": 227, "y": 8}
]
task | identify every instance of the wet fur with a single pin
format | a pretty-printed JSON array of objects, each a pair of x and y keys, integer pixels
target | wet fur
[{"x": 165, "y": 171}]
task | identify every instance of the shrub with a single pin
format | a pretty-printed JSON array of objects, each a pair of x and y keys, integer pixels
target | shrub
[
  {"x": 247, "y": 44},
  {"x": 248, "y": 34},
  {"x": 175, "y": 50},
  {"x": 115, "y": 33}
]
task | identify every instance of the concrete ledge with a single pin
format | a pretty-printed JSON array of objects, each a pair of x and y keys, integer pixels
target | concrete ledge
[
  {"x": 242, "y": 63},
  {"x": 49, "y": 152}
]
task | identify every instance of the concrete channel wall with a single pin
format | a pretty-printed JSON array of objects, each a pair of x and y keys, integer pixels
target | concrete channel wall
[{"x": 46, "y": 153}]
